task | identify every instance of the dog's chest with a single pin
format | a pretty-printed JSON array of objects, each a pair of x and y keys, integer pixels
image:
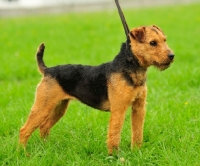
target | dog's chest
[
  {"x": 139, "y": 79},
  {"x": 125, "y": 89},
  {"x": 134, "y": 79}
]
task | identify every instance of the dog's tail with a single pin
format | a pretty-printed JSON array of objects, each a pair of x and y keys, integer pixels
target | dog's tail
[{"x": 39, "y": 56}]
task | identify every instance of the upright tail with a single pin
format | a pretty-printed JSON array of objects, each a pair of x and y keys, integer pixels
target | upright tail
[{"x": 39, "y": 55}]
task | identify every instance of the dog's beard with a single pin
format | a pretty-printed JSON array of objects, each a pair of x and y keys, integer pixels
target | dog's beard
[{"x": 162, "y": 66}]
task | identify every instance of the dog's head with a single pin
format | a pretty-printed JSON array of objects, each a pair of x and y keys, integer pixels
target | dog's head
[{"x": 148, "y": 44}]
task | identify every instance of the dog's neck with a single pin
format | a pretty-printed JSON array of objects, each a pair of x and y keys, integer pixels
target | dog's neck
[
  {"x": 127, "y": 59},
  {"x": 128, "y": 65}
]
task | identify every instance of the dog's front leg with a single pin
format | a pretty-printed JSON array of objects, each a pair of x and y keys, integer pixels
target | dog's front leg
[
  {"x": 115, "y": 126},
  {"x": 137, "y": 119}
]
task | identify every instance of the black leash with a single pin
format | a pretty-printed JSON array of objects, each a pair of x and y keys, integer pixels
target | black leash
[{"x": 126, "y": 29}]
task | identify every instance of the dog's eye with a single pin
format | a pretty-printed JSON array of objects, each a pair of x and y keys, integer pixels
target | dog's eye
[{"x": 153, "y": 43}]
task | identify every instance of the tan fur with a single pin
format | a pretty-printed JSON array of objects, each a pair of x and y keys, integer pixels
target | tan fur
[
  {"x": 144, "y": 52},
  {"x": 119, "y": 92},
  {"x": 50, "y": 104},
  {"x": 51, "y": 101}
]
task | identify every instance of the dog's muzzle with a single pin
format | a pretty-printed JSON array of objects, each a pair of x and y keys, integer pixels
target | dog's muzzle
[{"x": 171, "y": 56}]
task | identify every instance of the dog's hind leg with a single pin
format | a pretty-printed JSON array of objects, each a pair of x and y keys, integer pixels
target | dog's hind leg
[
  {"x": 48, "y": 95},
  {"x": 55, "y": 115}
]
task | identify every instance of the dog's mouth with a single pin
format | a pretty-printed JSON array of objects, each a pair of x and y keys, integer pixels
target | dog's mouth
[{"x": 162, "y": 66}]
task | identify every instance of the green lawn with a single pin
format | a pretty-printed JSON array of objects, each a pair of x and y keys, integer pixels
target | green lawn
[{"x": 172, "y": 126}]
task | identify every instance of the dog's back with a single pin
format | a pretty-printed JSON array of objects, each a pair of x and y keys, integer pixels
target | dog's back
[{"x": 86, "y": 83}]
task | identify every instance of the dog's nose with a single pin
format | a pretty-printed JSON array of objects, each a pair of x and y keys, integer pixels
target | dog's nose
[{"x": 171, "y": 56}]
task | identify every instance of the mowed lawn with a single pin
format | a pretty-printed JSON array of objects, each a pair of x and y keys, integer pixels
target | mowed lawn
[{"x": 172, "y": 125}]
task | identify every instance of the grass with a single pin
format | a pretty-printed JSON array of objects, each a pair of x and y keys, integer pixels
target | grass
[{"x": 172, "y": 127}]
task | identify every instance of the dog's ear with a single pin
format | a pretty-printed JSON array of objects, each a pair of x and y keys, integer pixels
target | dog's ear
[
  {"x": 155, "y": 26},
  {"x": 138, "y": 34}
]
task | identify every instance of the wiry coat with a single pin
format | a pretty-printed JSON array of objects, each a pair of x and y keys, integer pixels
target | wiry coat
[{"x": 113, "y": 86}]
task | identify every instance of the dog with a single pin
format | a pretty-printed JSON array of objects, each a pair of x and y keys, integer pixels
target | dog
[{"x": 113, "y": 86}]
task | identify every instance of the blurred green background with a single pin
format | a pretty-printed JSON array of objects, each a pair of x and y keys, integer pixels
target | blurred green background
[{"x": 172, "y": 127}]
